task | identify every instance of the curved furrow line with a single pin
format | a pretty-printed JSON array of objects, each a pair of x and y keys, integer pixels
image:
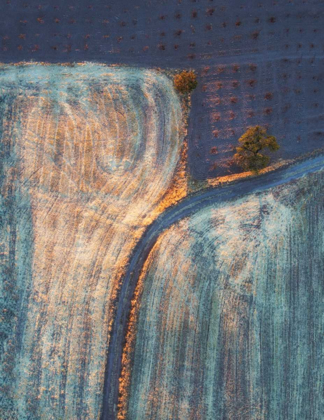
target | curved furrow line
[
  {"x": 172, "y": 215},
  {"x": 229, "y": 321},
  {"x": 90, "y": 201}
]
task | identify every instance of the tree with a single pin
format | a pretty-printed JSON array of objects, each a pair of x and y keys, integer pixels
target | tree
[
  {"x": 248, "y": 154},
  {"x": 186, "y": 81}
]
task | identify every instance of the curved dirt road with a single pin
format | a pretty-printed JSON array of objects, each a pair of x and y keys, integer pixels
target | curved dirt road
[{"x": 172, "y": 215}]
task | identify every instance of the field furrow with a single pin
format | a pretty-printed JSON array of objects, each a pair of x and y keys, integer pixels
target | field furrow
[
  {"x": 81, "y": 146},
  {"x": 230, "y": 304}
]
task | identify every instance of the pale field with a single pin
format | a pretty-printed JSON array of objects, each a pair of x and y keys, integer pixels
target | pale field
[
  {"x": 230, "y": 312},
  {"x": 80, "y": 147}
]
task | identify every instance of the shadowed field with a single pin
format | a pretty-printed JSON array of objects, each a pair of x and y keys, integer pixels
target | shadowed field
[
  {"x": 80, "y": 147},
  {"x": 230, "y": 324},
  {"x": 258, "y": 61}
]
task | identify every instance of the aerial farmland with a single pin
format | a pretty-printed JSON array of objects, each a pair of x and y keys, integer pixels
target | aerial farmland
[
  {"x": 228, "y": 324},
  {"x": 148, "y": 270},
  {"x": 73, "y": 206}
]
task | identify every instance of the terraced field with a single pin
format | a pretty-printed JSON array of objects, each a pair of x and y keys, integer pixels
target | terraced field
[
  {"x": 230, "y": 322},
  {"x": 80, "y": 146}
]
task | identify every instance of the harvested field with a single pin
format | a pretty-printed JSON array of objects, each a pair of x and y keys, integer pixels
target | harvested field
[
  {"x": 258, "y": 61},
  {"x": 80, "y": 147},
  {"x": 230, "y": 323}
]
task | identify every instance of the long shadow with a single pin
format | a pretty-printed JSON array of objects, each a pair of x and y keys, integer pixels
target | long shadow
[{"x": 174, "y": 214}]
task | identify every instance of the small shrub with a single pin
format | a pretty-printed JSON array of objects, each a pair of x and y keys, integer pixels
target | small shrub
[
  {"x": 252, "y": 142},
  {"x": 186, "y": 81}
]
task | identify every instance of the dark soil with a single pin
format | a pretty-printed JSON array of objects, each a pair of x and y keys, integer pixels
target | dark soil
[{"x": 267, "y": 54}]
